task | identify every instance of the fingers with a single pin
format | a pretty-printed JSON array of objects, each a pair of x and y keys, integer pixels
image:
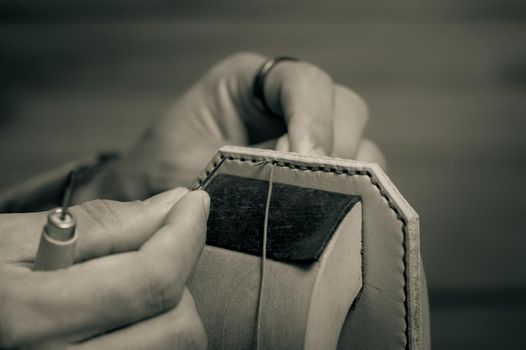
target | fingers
[
  {"x": 350, "y": 119},
  {"x": 322, "y": 118},
  {"x": 108, "y": 227},
  {"x": 304, "y": 95},
  {"x": 103, "y": 227},
  {"x": 112, "y": 291},
  {"x": 179, "y": 328}
]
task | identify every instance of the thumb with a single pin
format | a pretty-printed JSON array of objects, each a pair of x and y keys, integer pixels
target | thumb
[
  {"x": 103, "y": 227},
  {"x": 108, "y": 227}
]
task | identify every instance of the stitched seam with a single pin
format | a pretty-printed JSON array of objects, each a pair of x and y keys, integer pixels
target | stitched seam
[{"x": 338, "y": 171}]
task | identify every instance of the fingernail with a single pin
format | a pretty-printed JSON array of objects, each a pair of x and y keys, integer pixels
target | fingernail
[
  {"x": 206, "y": 201},
  {"x": 168, "y": 197}
]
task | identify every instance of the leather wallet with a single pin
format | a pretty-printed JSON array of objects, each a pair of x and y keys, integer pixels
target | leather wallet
[{"x": 342, "y": 255}]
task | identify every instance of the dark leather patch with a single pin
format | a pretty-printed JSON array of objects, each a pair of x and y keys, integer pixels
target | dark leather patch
[{"x": 301, "y": 220}]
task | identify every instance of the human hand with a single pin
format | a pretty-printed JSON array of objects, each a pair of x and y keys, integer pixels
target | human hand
[
  {"x": 127, "y": 287},
  {"x": 318, "y": 117}
]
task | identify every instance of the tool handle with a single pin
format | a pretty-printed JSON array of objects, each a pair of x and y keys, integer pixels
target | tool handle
[
  {"x": 56, "y": 249},
  {"x": 54, "y": 254}
]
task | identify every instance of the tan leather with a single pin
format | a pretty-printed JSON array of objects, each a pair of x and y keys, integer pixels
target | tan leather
[
  {"x": 391, "y": 310},
  {"x": 304, "y": 305}
]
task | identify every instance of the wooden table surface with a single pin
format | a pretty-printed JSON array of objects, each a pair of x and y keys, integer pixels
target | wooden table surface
[{"x": 445, "y": 82}]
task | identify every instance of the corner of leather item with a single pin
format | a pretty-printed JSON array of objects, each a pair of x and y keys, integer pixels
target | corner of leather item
[{"x": 396, "y": 202}]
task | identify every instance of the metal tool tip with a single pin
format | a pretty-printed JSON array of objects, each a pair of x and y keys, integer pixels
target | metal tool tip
[{"x": 68, "y": 192}]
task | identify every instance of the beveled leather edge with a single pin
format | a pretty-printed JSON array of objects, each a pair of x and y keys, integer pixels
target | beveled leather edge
[{"x": 402, "y": 209}]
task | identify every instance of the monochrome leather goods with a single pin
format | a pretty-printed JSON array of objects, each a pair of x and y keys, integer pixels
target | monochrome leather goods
[{"x": 308, "y": 252}]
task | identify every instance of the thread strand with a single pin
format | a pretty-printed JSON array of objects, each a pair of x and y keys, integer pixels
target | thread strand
[{"x": 263, "y": 259}]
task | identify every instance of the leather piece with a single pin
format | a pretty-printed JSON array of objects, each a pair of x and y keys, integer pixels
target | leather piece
[
  {"x": 391, "y": 311},
  {"x": 301, "y": 220},
  {"x": 304, "y": 305},
  {"x": 380, "y": 308}
]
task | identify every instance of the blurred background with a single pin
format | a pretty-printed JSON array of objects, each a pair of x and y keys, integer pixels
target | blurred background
[{"x": 445, "y": 81}]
